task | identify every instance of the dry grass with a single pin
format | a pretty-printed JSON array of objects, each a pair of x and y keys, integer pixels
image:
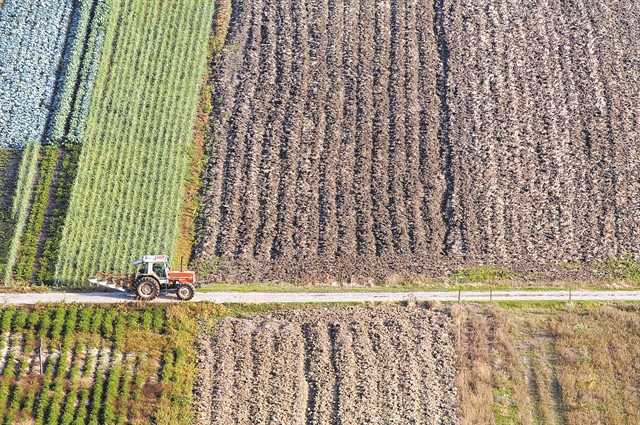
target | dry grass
[
  {"x": 565, "y": 364},
  {"x": 201, "y": 134}
]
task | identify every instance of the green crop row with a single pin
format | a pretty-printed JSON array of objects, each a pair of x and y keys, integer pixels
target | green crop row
[
  {"x": 64, "y": 322},
  {"x": 19, "y": 210},
  {"x": 89, "y": 71},
  {"x": 130, "y": 180},
  {"x": 80, "y": 66},
  {"x": 28, "y": 250}
]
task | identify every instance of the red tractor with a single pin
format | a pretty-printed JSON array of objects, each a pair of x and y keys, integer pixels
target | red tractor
[{"x": 152, "y": 275}]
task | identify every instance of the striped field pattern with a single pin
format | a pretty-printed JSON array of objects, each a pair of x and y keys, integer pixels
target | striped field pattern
[
  {"x": 358, "y": 140},
  {"x": 126, "y": 200}
]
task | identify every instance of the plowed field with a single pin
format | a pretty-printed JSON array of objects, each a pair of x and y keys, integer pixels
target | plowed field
[
  {"x": 348, "y": 366},
  {"x": 361, "y": 139}
]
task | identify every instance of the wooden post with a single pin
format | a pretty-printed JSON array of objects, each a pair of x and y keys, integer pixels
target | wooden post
[
  {"x": 40, "y": 353},
  {"x": 569, "y": 296},
  {"x": 459, "y": 293}
]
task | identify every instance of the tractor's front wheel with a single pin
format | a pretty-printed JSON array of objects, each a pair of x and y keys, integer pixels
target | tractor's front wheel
[
  {"x": 147, "y": 289},
  {"x": 185, "y": 291}
]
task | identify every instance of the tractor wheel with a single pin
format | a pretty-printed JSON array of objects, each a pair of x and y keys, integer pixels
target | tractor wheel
[
  {"x": 147, "y": 289},
  {"x": 186, "y": 291}
]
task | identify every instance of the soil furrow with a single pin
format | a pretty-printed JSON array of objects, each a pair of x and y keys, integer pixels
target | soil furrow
[
  {"x": 263, "y": 354},
  {"x": 275, "y": 139},
  {"x": 224, "y": 101},
  {"x": 292, "y": 127},
  {"x": 307, "y": 218},
  {"x": 346, "y": 381},
  {"x": 413, "y": 189},
  {"x": 256, "y": 128},
  {"x": 221, "y": 391},
  {"x": 345, "y": 201},
  {"x": 242, "y": 369},
  {"x": 380, "y": 140},
  {"x": 366, "y": 396},
  {"x": 446, "y": 149},
  {"x": 431, "y": 163},
  {"x": 236, "y": 138},
  {"x": 328, "y": 238},
  {"x": 363, "y": 132},
  {"x": 397, "y": 133},
  {"x": 321, "y": 375},
  {"x": 258, "y": 104}
]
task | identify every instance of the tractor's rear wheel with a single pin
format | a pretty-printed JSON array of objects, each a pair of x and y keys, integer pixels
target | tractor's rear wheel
[
  {"x": 147, "y": 289},
  {"x": 185, "y": 291}
]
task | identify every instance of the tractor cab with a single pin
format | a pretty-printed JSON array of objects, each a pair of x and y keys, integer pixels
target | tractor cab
[{"x": 156, "y": 266}]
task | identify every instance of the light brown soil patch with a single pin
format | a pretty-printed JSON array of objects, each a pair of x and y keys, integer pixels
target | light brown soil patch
[{"x": 382, "y": 365}]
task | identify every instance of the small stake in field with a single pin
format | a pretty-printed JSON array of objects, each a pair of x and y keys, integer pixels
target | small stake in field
[
  {"x": 40, "y": 354},
  {"x": 153, "y": 275}
]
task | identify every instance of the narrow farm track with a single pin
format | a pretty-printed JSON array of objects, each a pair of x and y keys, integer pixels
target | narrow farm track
[
  {"x": 365, "y": 140},
  {"x": 327, "y": 297}
]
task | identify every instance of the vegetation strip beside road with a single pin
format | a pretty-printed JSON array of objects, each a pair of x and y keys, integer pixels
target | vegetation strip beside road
[{"x": 551, "y": 363}]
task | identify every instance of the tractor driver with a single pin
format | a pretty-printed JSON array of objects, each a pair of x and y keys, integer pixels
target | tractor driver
[{"x": 158, "y": 269}]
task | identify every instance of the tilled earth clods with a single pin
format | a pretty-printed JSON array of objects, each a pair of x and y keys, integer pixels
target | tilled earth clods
[
  {"x": 353, "y": 365},
  {"x": 408, "y": 132}
]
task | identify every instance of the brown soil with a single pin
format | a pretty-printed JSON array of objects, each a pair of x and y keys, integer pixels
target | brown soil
[
  {"x": 371, "y": 138},
  {"x": 388, "y": 365}
]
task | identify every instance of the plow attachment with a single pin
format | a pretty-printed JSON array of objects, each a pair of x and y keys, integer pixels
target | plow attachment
[{"x": 111, "y": 281}]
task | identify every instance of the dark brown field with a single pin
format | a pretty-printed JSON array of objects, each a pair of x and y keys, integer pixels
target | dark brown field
[{"x": 364, "y": 139}]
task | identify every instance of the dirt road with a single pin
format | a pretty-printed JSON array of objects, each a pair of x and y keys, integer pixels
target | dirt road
[{"x": 279, "y": 297}]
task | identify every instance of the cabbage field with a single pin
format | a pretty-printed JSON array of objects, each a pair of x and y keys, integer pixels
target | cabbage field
[
  {"x": 133, "y": 115},
  {"x": 33, "y": 36}
]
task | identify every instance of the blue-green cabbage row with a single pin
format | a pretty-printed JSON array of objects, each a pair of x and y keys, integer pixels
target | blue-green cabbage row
[{"x": 33, "y": 34}]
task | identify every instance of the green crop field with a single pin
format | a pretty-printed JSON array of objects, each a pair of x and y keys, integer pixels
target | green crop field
[
  {"x": 73, "y": 364},
  {"x": 128, "y": 192}
]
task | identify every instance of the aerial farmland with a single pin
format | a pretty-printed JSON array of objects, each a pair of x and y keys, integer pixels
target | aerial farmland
[{"x": 319, "y": 146}]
